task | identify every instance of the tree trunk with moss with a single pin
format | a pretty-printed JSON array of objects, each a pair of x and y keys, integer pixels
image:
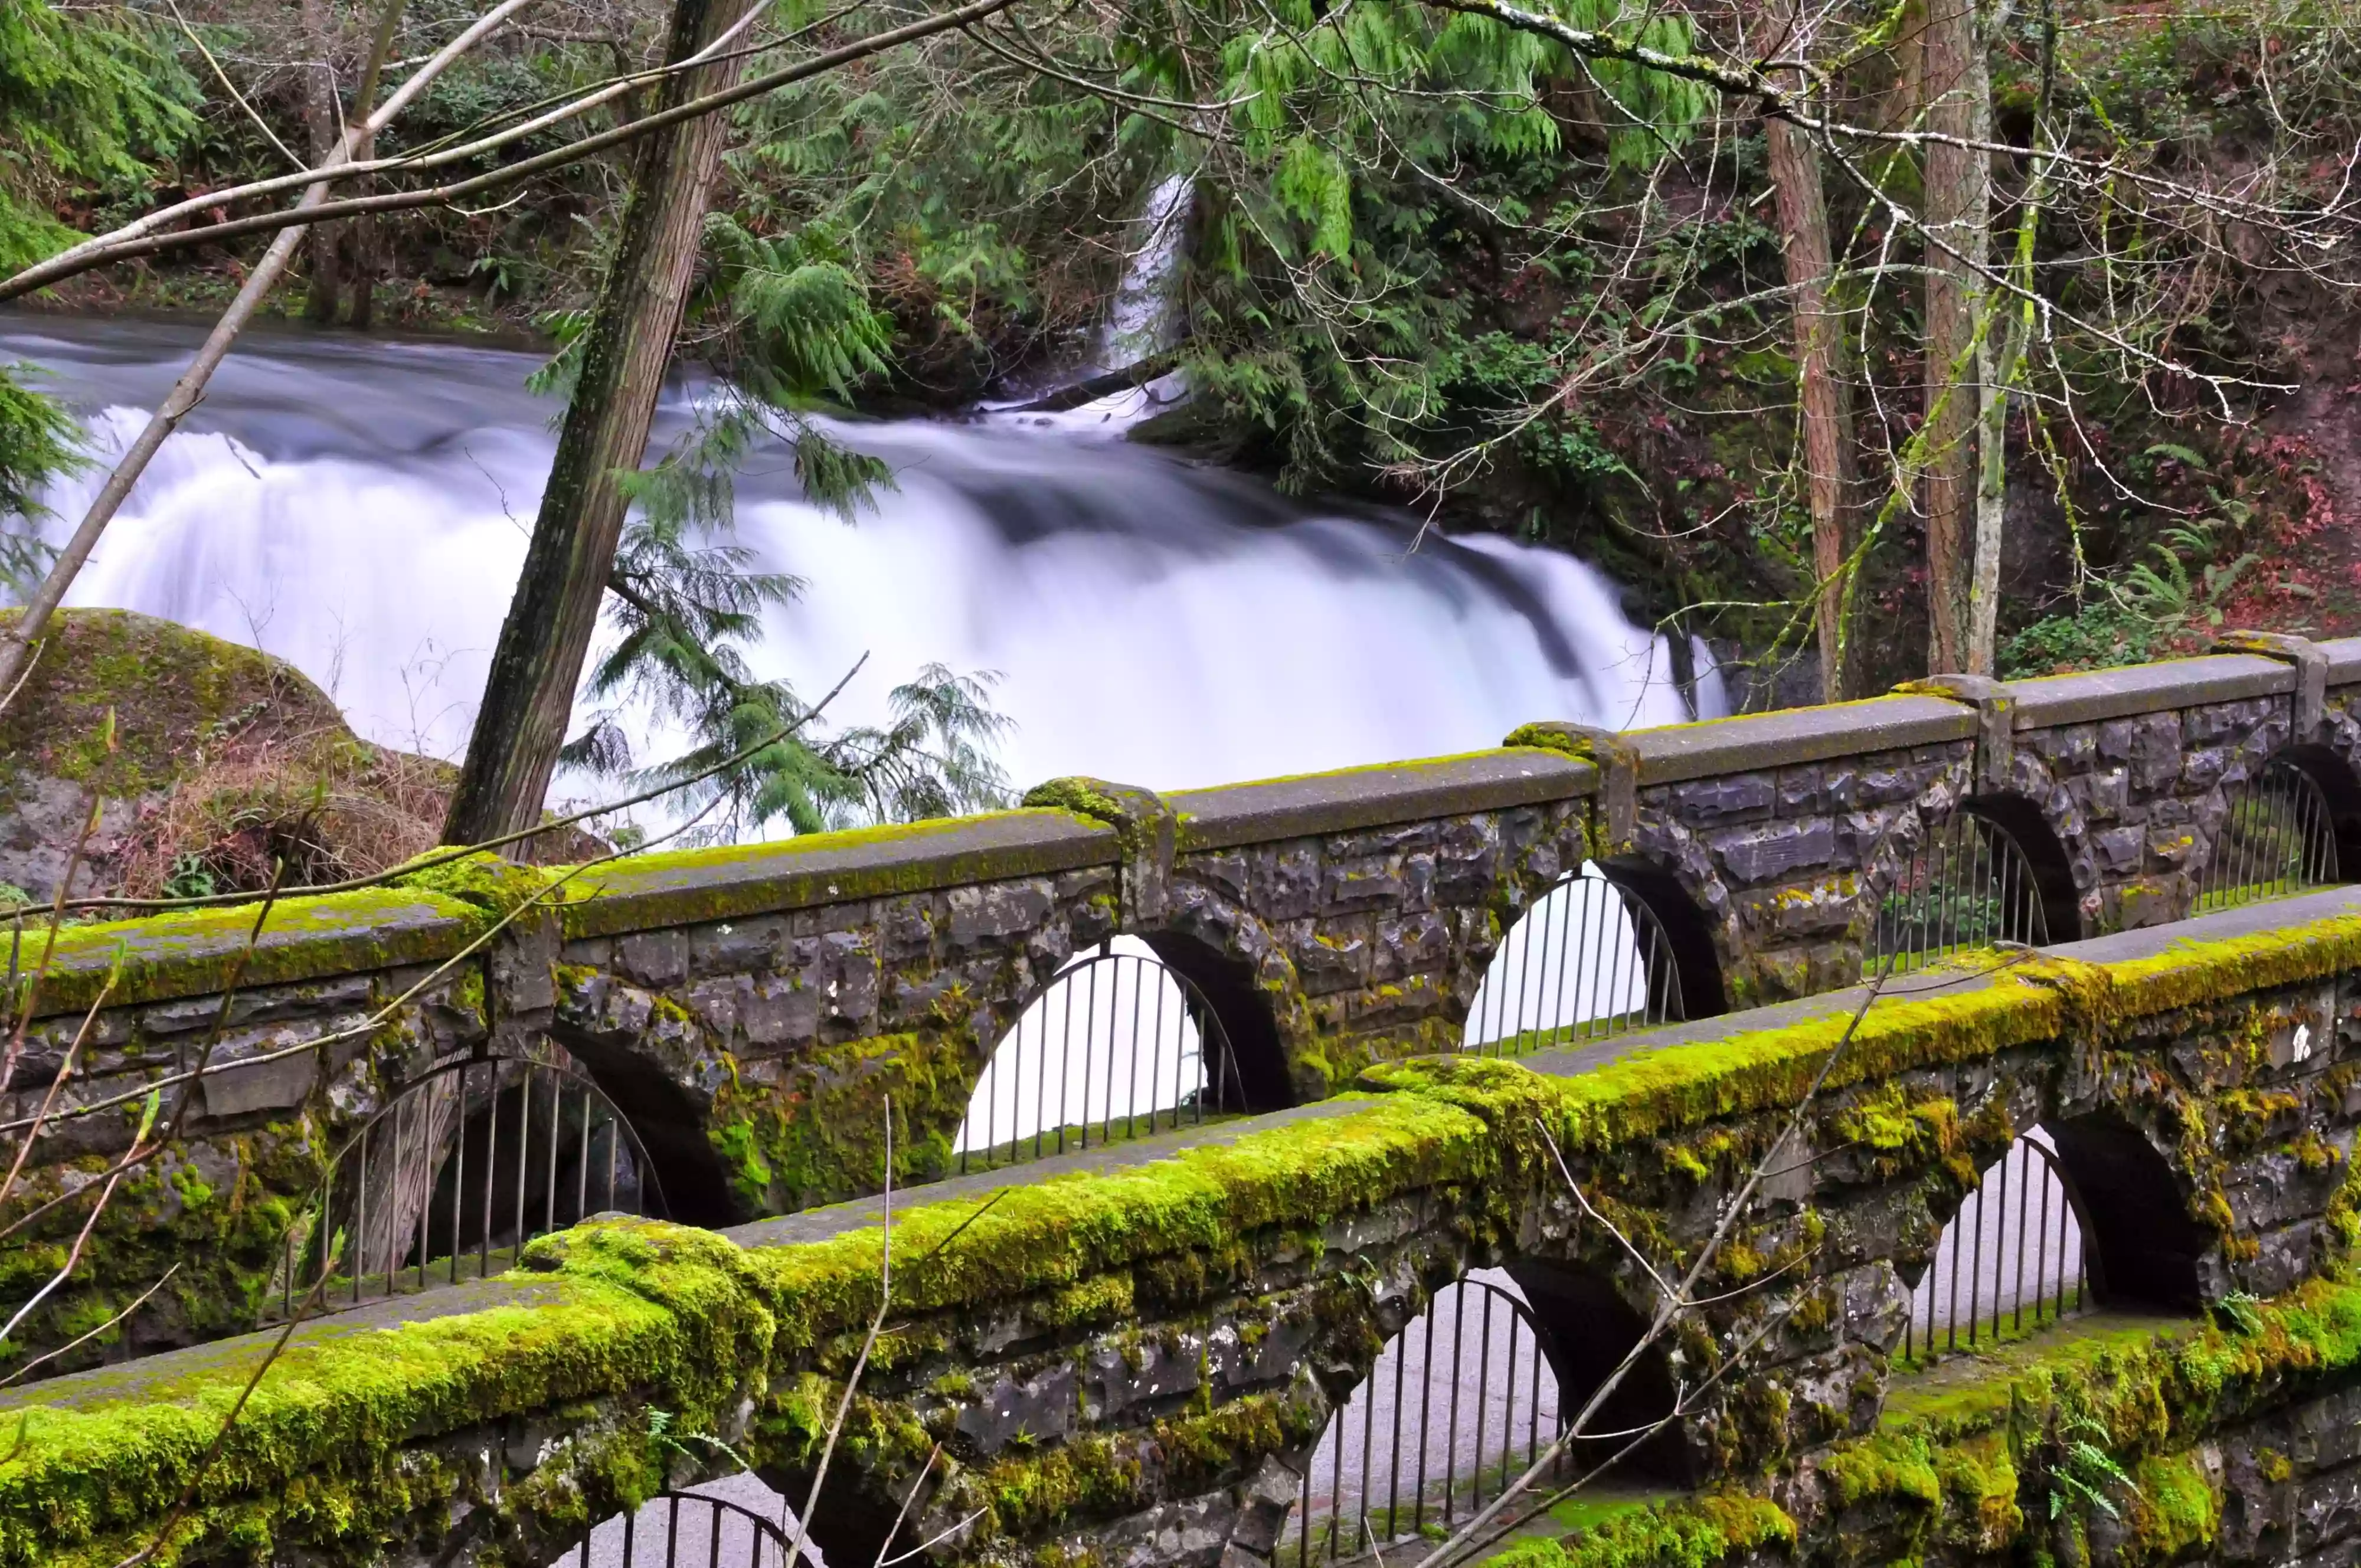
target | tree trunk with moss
[{"x": 537, "y": 663}]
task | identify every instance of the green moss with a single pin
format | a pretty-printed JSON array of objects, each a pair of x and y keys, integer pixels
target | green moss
[
  {"x": 482, "y": 879},
  {"x": 1703, "y": 1531},
  {"x": 2176, "y": 1506},
  {"x": 176, "y": 693},
  {"x": 193, "y": 952},
  {"x": 816, "y": 1133}
]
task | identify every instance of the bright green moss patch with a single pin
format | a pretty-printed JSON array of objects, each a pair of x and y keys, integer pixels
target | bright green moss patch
[
  {"x": 687, "y": 887},
  {"x": 648, "y": 1311},
  {"x": 193, "y": 952},
  {"x": 1701, "y": 1531}
]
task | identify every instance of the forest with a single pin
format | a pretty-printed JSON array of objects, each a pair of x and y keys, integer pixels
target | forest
[{"x": 1860, "y": 340}]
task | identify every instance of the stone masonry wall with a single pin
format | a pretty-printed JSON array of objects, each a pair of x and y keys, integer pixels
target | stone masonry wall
[{"x": 1132, "y": 1364}]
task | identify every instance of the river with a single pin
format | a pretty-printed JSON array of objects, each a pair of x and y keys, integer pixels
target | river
[{"x": 360, "y": 507}]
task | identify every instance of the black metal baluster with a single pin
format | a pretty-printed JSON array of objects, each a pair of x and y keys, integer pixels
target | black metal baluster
[
  {"x": 1483, "y": 1387},
  {"x": 1425, "y": 1415},
  {"x": 1451, "y": 1450}
]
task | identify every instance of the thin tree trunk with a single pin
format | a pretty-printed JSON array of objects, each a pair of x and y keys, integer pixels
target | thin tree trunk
[
  {"x": 2002, "y": 371},
  {"x": 322, "y": 283},
  {"x": 528, "y": 697},
  {"x": 1824, "y": 395},
  {"x": 362, "y": 247},
  {"x": 1958, "y": 215}
]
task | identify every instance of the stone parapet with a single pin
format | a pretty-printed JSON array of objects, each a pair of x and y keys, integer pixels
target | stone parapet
[{"x": 1132, "y": 1357}]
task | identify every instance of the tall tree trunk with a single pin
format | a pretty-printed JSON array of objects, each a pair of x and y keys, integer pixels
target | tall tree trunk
[
  {"x": 320, "y": 282},
  {"x": 538, "y": 662},
  {"x": 1957, "y": 214},
  {"x": 362, "y": 248},
  {"x": 1823, "y": 394}
]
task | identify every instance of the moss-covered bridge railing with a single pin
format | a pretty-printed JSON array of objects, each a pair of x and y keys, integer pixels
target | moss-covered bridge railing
[
  {"x": 1129, "y": 1356},
  {"x": 753, "y": 1010}
]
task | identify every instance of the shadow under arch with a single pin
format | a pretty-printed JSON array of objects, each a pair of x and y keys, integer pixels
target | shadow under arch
[
  {"x": 670, "y": 1123},
  {"x": 1227, "y": 983},
  {"x": 1586, "y": 1328},
  {"x": 2045, "y": 857},
  {"x": 2143, "y": 1248},
  {"x": 1684, "y": 926}
]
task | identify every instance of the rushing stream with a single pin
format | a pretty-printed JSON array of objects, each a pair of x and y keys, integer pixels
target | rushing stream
[{"x": 360, "y": 507}]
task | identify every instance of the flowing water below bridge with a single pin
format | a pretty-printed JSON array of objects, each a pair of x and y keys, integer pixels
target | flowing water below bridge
[{"x": 360, "y": 508}]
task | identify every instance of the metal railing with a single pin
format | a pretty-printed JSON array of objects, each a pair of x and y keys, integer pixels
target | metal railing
[
  {"x": 2276, "y": 838},
  {"x": 1460, "y": 1403},
  {"x": 1120, "y": 1046},
  {"x": 1588, "y": 960},
  {"x": 1968, "y": 884},
  {"x": 2015, "y": 1252},
  {"x": 684, "y": 1530},
  {"x": 477, "y": 1155}
]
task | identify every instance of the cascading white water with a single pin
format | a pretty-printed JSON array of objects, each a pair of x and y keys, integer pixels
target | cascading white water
[{"x": 360, "y": 509}]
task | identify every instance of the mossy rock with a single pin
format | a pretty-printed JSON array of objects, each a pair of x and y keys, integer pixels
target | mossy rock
[{"x": 175, "y": 691}]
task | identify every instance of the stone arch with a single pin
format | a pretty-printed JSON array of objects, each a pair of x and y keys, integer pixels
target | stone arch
[
  {"x": 2053, "y": 874},
  {"x": 1685, "y": 927},
  {"x": 1585, "y": 959},
  {"x": 2338, "y": 782},
  {"x": 1359, "y": 944},
  {"x": 2015, "y": 1255},
  {"x": 671, "y": 1122},
  {"x": 1963, "y": 872},
  {"x": 1227, "y": 983},
  {"x": 2291, "y": 823},
  {"x": 1119, "y": 1043},
  {"x": 1469, "y": 1392}
]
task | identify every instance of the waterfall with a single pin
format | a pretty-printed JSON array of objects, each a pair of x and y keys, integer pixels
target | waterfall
[
  {"x": 360, "y": 509},
  {"x": 1139, "y": 323}
]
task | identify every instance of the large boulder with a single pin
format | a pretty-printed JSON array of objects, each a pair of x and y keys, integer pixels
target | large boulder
[{"x": 219, "y": 759}]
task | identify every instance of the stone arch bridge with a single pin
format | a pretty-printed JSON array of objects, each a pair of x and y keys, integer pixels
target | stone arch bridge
[{"x": 1130, "y": 1354}]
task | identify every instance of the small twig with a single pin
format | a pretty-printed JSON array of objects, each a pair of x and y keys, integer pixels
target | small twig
[
  {"x": 212, "y": 1449},
  {"x": 907, "y": 1498},
  {"x": 57, "y": 1084},
  {"x": 937, "y": 1541}
]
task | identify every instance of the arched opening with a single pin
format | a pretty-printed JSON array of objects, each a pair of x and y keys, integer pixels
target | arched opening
[
  {"x": 462, "y": 1167},
  {"x": 735, "y": 1522},
  {"x": 670, "y": 1125},
  {"x": 2013, "y": 1259},
  {"x": 2144, "y": 1246},
  {"x": 1685, "y": 931},
  {"x": 1589, "y": 958},
  {"x": 1119, "y": 1046},
  {"x": 2291, "y": 826},
  {"x": 1226, "y": 983},
  {"x": 1988, "y": 874},
  {"x": 2071, "y": 1218},
  {"x": 1470, "y": 1395}
]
